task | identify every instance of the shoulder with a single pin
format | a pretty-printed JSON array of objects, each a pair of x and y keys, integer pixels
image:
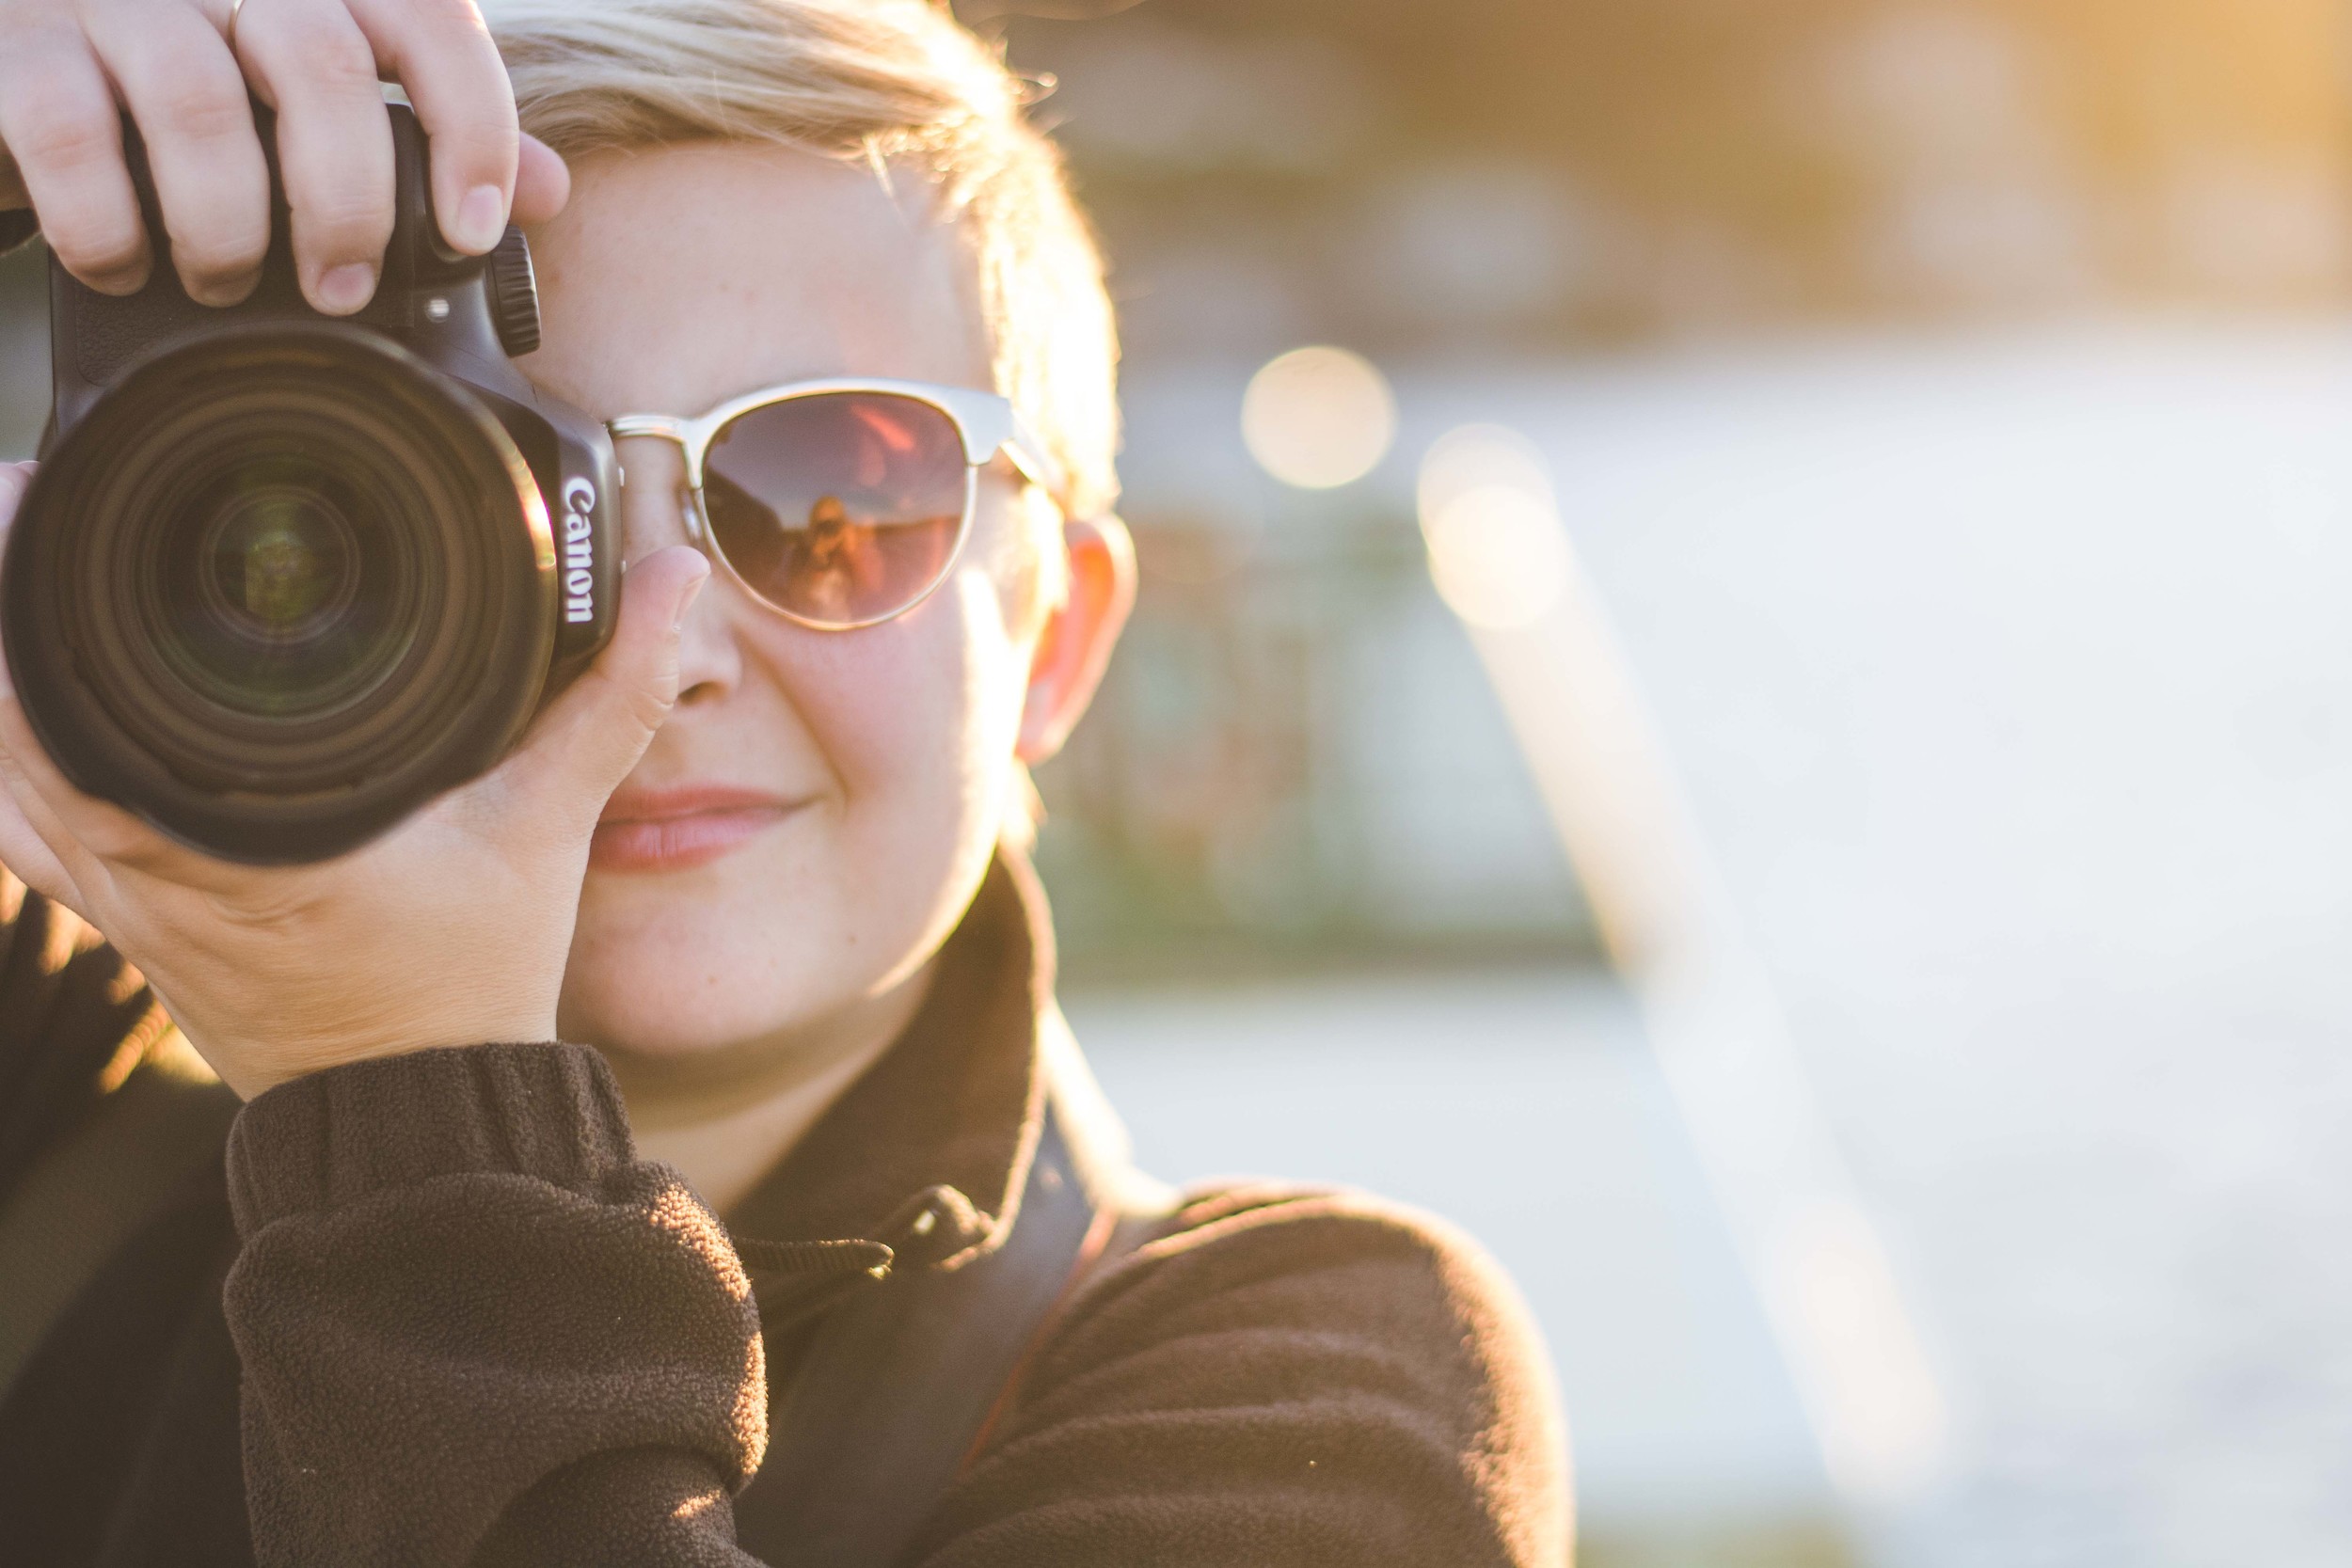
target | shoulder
[
  {"x": 1291, "y": 1364},
  {"x": 1275, "y": 1259},
  {"x": 1406, "y": 1305}
]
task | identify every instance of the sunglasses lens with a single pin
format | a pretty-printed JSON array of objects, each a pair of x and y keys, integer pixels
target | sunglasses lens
[{"x": 840, "y": 507}]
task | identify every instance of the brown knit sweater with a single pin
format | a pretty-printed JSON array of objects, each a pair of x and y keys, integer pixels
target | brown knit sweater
[{"x": 441, "y": 1314}]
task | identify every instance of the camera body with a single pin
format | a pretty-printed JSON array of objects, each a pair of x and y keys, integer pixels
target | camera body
[{"x": 282, "y": 577}]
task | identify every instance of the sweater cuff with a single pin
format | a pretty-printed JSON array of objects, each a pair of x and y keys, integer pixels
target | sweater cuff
[{"x": 331, "y": 1139}]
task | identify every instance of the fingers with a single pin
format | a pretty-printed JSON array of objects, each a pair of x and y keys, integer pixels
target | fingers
[
  {"x": 317, "y": 61},
  {"x": 22, "y": 852},
  {"x": 586, "y": 742},
  {"x": 84, "y": 834},
  {"x": 24, "y": 848},
  {"x": 542, "y": 182},
  {"x": 442, "y": 55},
  {"x": 312, "y": 62},
  {"x": 57, "y": 117},
  {"x": 189, "y": 100}
]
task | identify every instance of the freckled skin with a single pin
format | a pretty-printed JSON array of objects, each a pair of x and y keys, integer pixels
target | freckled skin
[{"x": 675, "y": 279}]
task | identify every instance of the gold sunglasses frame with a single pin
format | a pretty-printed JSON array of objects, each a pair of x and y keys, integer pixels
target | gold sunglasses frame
[{"x": 986, "y": 423}]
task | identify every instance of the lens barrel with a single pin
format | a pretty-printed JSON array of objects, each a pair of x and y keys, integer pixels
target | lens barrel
[{"x": 277, "y": 588}]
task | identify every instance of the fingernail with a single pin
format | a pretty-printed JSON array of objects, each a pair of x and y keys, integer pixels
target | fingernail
[
  {"x": 226, "y": 292},
  {"x": 344, "y": 289},
  {"x": 481, "y": 219},
  {"x": 123, "y": 281}
]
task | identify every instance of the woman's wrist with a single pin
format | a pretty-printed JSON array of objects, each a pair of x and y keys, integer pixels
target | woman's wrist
[{"x": 254, "y": 1064}]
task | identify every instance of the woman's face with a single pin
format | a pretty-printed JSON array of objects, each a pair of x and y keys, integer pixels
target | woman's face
[{"x": 820, "y": 807}]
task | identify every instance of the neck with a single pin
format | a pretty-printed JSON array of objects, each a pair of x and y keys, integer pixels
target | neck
[{"x": 723, "y": 1118}]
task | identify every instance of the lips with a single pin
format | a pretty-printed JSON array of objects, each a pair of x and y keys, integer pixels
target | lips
[{"x": 674, "y": 829}]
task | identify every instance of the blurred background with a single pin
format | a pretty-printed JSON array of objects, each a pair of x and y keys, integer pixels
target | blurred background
[
  {"x": 1835, "y": 861},
  {"x": 1744, "y": 686}
]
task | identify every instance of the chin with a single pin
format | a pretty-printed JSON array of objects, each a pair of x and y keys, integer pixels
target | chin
[
  {"x": 660, "y": 1019},
  {"x": 670, "y": 987},
  {"x": 677, "y": 977}
]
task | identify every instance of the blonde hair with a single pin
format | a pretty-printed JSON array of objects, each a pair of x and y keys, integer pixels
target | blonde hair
[{"x": 896, "y": 84}]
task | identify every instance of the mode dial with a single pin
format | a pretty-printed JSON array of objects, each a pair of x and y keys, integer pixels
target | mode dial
[{"x": 515, "y": 294}]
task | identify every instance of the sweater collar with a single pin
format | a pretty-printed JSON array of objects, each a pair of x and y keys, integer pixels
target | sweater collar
[{"x": 929, "y": 1151}]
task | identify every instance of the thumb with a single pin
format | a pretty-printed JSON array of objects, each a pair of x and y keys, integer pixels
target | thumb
[{"x": 589, "y": 738}]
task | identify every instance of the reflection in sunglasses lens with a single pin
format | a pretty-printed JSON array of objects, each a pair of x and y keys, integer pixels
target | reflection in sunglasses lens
[{"x": 840, "y": 508}]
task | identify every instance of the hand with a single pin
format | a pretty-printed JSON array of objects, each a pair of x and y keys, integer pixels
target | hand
[
  {"x": 450, "y": 929},
  {"x": 68, "y": 69}
]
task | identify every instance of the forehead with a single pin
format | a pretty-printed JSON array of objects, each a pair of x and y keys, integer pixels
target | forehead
[{"x": 680, "y": 277}]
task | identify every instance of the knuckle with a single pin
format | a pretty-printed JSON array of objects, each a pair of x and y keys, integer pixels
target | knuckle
[
  {"x": 199, "y": 108},
  {"x": 632, "y": 707},
  {"x": 215, "y": 238},
  {"x": 122, "y": 840},
  {"x": 340, "y": 213},
  {"x": 646, "y": 710},
  {"x": 339, "y": 62},
  {"x": 647, "y": 707},
  {"x": 338, "y": 219},
  {"x": 317, "y": 54},
  {"x": 53, "y": 126},
  {"x": 342, "y": 192},
  {"x": 480, "y": 136}
]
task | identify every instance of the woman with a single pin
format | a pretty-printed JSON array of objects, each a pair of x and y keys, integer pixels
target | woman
[{"x": 464, "y": 1294}]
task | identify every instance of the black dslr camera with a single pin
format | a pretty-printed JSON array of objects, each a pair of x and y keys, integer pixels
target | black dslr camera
[{"x": 280, "y": 577}]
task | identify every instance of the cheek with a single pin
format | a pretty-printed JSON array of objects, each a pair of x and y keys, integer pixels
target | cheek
[{"x": 918, "y": 717}]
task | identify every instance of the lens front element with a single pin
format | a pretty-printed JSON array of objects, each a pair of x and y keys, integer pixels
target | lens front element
[
  {"x": 281, "y": 561},
  {"x": 278, "y": 593}
]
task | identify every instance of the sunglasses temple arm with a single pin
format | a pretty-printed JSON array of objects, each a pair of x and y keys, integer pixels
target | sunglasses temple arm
[{"x": 1028, "y": 455}]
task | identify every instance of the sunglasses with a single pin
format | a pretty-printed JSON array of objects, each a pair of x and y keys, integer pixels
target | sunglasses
[{"x": 841, "y": 504}]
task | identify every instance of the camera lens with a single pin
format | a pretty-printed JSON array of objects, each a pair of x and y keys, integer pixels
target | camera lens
[
  {"x": 277, "y": 588},
  {"x": 272, "y": 600}
]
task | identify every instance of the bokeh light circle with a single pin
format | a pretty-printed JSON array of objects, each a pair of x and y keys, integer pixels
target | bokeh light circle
[
  {"x": 1473, "y": 456},
  {"x": 1498, "y": 553},
  {"x": 1318, "y": 417}
]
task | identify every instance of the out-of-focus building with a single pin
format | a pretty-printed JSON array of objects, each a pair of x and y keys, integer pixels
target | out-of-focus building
[
  {"x": 1299, "y": 758},
  {"x": 1511, "y": 176}
]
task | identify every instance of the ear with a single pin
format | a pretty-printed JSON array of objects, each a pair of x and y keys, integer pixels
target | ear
[{"x": 1076, "y": 641}]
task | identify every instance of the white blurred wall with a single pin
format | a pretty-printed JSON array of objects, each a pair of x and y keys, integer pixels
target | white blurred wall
[{"x": 2011, "y": 680}]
